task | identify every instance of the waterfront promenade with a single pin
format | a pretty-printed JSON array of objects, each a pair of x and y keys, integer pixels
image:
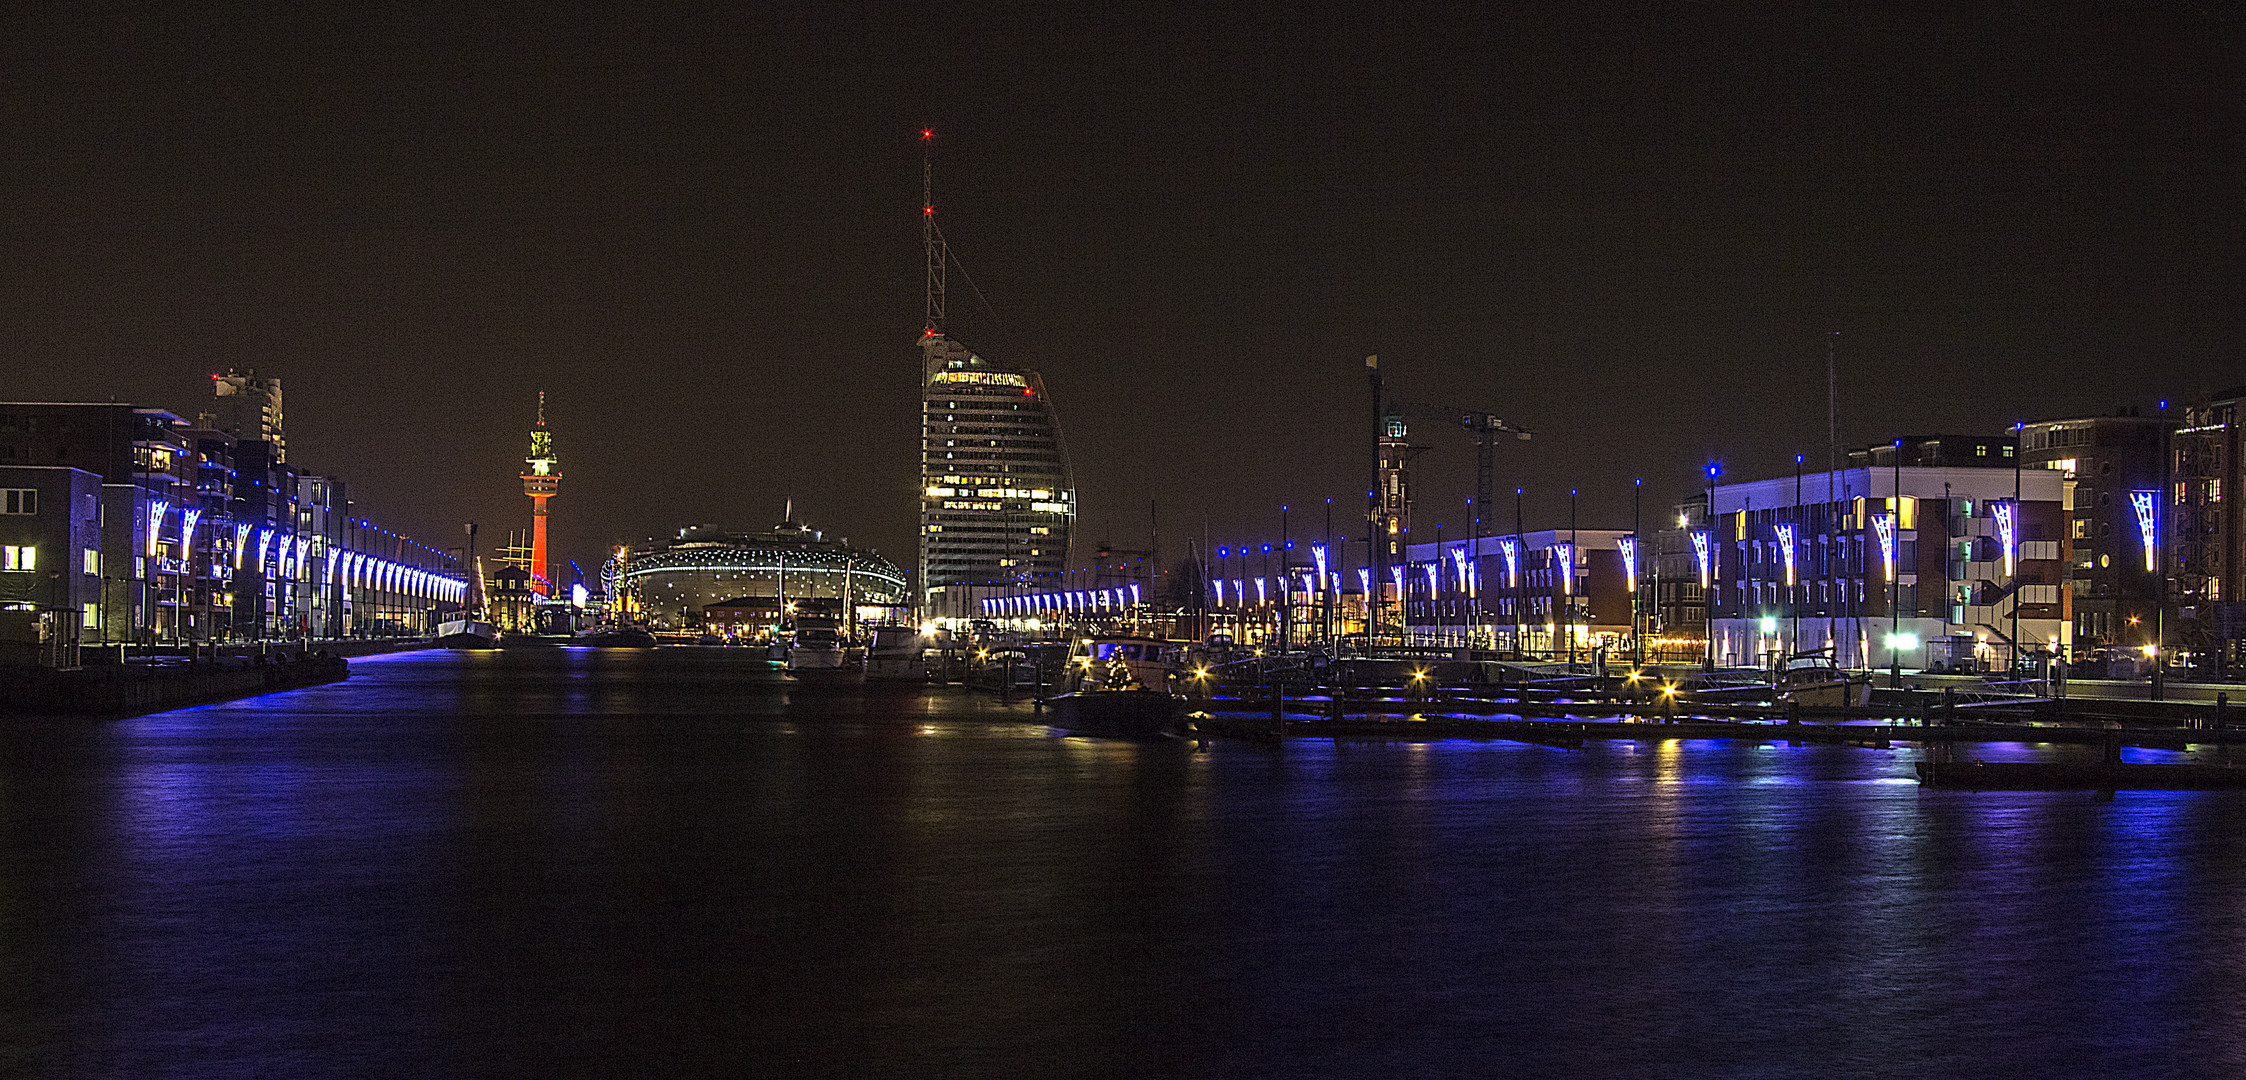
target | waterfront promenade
[{"x": 565, "y": 863}]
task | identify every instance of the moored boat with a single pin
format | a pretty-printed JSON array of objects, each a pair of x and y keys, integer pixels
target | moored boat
[
  {"x": 1120, "y": 661},
  {"x": 1810, "y": 679},
  {"x": 469, "y": 630},
  {"x": 896, "y": 654},
  {"x": 467, "y": 634},
  {"x": 815, "y": 647}
]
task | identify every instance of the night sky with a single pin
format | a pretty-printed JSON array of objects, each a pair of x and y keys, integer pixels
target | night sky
[{"x": 1630, "y": 228}]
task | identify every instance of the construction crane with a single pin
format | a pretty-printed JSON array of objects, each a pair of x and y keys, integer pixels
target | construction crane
[{"x": 1485, "y": 428}]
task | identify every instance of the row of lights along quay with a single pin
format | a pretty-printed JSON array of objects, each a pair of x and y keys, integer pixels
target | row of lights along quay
[{"x": 2101, "y": 548}]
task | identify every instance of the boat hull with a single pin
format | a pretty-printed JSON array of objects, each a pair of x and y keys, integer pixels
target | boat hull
[
  {"x": 897, "y": 669},
  {"x": 1126, "y": 714},
  {"x": 1838, "y": 694},
  {"x": 811, "y": 659},
  {"x": 467, "y": 634}
]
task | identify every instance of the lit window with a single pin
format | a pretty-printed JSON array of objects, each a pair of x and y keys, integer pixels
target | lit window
[
  {"x": 18, "y": 558},
  {"x": 93, "y": 561}
]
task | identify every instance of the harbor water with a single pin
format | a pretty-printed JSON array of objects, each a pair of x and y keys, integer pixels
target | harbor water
[{"x": 682, "y": 862}]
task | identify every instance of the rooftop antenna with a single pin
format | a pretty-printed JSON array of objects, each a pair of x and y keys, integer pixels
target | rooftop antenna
[{"x": 931, "y": 241}]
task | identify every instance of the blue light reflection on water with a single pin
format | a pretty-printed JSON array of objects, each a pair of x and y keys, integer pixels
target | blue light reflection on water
[{"x": 599, "y": 863}]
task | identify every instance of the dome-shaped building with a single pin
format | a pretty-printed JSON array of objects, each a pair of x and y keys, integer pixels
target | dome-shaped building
[{"x": 789, "y": 568}]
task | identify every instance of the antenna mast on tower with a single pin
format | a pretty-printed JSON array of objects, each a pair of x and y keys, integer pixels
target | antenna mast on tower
[{"x": 931, "y": 240}]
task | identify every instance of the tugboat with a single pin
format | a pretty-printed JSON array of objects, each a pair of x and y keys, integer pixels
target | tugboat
[{"x": 1811, "y": 679}]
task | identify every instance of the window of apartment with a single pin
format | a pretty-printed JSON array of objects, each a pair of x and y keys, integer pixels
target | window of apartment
[
  {"x": 93, "y": 560},
  {"x": 13, "y": 557},
  {"x": 20, "y": 501},
  {"x": 90, "y": 616}
]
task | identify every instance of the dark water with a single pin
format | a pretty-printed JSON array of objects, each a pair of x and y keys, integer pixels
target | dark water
[{"x": 564, "y": 863}]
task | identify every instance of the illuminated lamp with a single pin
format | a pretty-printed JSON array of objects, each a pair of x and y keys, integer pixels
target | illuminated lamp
[
  {"x": 2007, "y": 523},
  {"x": 156, "y": 508},
  {"x": 2146, "y": 522},
  {"x": 188, "y": 516}
]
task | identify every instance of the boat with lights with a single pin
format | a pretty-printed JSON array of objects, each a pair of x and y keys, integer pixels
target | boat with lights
[{"x": 1120, "y": 661}]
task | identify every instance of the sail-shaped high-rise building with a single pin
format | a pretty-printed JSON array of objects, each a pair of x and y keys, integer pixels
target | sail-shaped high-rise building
[{"x": 997, "y": 503}]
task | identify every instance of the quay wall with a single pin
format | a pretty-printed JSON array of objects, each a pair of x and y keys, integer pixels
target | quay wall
[{"x": 133, "y": 689}]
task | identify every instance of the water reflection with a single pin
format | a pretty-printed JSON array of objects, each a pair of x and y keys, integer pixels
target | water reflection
[{"x": 586, "y": 863}]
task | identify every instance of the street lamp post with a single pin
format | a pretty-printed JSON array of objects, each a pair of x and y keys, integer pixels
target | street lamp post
[
  {"x": 1895, "y": 579},
  {"x": 1793, "y": 597},
  {"x": 1637, "y": 556},
  {"x": 1520, "y": 580},
  {"x": 1286, "y": 585},
  {"x": 1715, "y": 574},
  {"x": 1567, "y": 590}
]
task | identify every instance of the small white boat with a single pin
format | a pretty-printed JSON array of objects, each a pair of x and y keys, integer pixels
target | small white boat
[
  {"x": 1812, "y": 680},
  {"x": 896, "y": 654},
  {"x": 815, "y": 646},
  {"x": 467, "y": 634}
]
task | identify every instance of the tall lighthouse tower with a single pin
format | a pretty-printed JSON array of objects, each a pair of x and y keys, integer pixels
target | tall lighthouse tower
[{"x": 540, "y": 481}]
